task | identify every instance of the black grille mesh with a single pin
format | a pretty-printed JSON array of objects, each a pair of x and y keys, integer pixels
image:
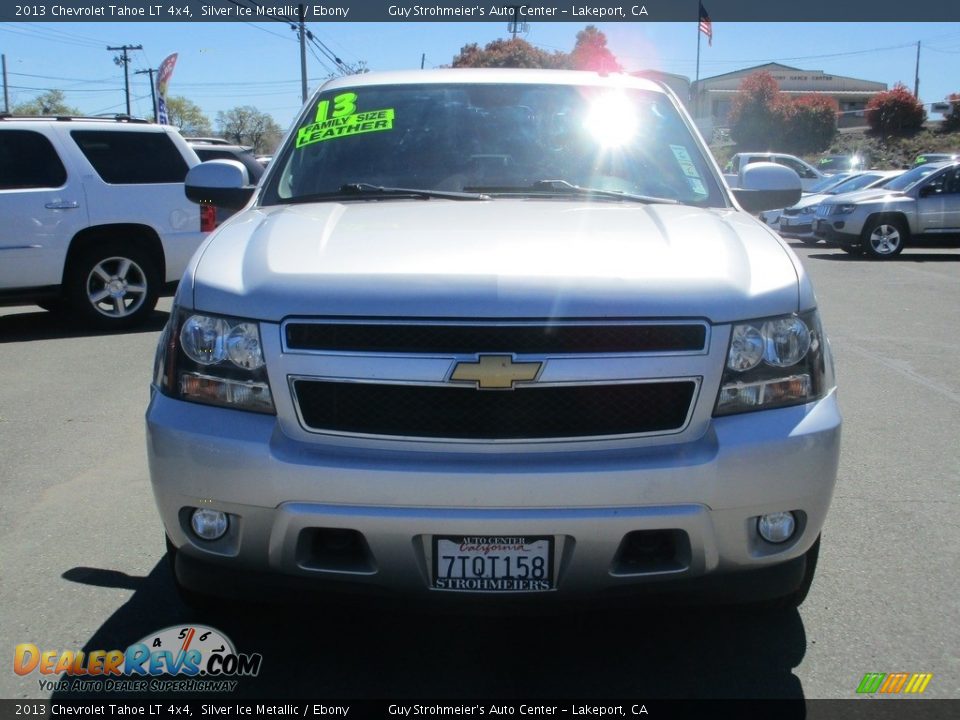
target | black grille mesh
[
  {"x": 533, "y": 412},
  {"x": 479, "y": 338}
]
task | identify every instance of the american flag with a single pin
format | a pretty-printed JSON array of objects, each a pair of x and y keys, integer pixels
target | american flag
[{"x": 706, "y": 27}]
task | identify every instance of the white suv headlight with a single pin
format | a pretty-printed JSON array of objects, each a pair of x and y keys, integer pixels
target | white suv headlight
[
  {"x": 213, "y": 360},
  {"x": 775, "y": 362}
]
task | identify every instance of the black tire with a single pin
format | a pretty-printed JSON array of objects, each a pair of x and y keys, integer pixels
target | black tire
[
  {"x": 883, "y": 238},
  {"x": 190, "y": 598},
  {"x": 796, "y": 598},
  {"x": 112, "y": 285}
]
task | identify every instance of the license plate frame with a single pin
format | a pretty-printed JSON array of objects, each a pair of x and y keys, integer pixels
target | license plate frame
[{"x": 507, "y": 563}]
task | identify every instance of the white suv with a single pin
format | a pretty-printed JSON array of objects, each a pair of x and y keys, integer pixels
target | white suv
[{"x": 95, "y": 219}]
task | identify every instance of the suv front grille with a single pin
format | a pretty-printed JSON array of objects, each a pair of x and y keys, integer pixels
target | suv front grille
[
  {"x": 520, "y": 338},
  {"x": 528, "y": 412}
]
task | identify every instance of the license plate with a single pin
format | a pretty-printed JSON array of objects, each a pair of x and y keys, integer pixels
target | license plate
[{"x": 493, "y": 563}]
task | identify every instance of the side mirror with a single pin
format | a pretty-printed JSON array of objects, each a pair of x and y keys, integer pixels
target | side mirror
[
  {"x": 223, "y": 183},
  {"x": 926, "y": 191},
  {"x": 767, "y": 186}
]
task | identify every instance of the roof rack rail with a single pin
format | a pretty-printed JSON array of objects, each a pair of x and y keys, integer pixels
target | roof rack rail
[
  {"x": 209, "y": 140},
  {"x": 119, "y": 117}
]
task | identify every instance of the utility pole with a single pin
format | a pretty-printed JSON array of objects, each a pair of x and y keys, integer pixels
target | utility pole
[
  {"x": 153, "y": 92},
  {"x": 423, "y": 60},
  {"x": 125, "y": 61},
  {"x": 6, "y": 96},
  {"x": 303, "y": 54},
  {"x": 916, "y": 80}
]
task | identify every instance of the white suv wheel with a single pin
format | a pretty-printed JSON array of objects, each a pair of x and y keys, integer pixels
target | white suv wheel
[{"x": 116, "y": 287}]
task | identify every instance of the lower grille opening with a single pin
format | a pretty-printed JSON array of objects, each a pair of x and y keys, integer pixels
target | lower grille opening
[
  {"x": 652, "y": 551},
  {"x": 334, "y": 550}
]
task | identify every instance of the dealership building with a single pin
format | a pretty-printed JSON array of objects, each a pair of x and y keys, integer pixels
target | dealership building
[{"x": 709, "y": 99}]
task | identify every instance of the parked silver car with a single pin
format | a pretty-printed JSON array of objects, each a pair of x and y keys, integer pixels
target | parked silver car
[
  {"x": 797, "y": 220},
  {"x": 922, "y": 205},
  {"x": 494, "y": 334}
]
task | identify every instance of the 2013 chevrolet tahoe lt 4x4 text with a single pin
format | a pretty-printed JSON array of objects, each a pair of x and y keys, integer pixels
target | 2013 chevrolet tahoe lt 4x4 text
[{"x": 493, "y": 334}]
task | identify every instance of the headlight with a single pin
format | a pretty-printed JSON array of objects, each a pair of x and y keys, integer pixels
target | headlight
[
  {"x": 213, "y": 360},
  {"x": 775, "y": 362},
  {"x": 844, "y": 209},
  {"x": 808, "y": 210}
]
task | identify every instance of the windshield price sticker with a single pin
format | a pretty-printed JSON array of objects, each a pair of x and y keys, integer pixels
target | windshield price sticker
[
  {"x": 481, "y": 563},
  {"x": 343, "y": 121}
]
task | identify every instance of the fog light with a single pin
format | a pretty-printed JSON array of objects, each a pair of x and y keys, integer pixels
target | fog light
[
  {"x": 208, "y": 524},
  {"x": 777, "y": 527}
]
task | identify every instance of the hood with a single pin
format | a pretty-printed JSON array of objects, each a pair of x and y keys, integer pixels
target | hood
[
  {"x": 811, "y": 199},
  {"x": 872, "y": 195},
  {"x": 505, "y": 258}
]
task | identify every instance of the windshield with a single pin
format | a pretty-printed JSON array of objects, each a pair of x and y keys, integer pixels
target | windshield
[
  {"x": 828, "y": 182},
  {"x": 497, "y": 139},
  {"x": 910, "y": 178},
  {"x": 855, "y": 183}
]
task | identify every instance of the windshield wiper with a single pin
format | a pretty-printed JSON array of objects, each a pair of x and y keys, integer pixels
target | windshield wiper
[
  {"x": 362, "y": 191},
  {"x": 563, "y": 187}
]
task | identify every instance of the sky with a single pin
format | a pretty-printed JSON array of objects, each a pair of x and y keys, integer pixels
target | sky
[{"x": 222, "y": 65}]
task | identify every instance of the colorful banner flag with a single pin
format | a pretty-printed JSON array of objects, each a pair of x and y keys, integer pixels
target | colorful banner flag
[
  {"x": 706, "y": 27},
  {"x": 163, "y": 79}
]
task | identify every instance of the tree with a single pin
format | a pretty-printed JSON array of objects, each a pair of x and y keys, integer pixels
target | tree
[
  {"x": 188, "y": 117},
  {"x": 591, "y": 52},
  {"x": 513, "y": 53},
  {"x": 755, "y": 113},
  {"x": 951, "y": 122},
  {"x": 895, "y": 110},
  {"x": 51, "y": 102},
  {"x": 245, "y": 125},
  {"x": 809, "y": 123}
]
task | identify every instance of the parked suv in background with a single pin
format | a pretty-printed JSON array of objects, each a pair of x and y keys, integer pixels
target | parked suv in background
[
  {"x": 809, "y": 175},
  {"x": 797, "y": 220},
  {"x": 923, "y": 204},
  {"x": 484, "y": 334},
  {"x": 217, "y": 149},
  {"x": 94, "y": 217}
]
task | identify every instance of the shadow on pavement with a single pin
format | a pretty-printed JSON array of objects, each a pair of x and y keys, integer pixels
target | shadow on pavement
[
  {"x": 905, "y": 257},
  {"x": 43, "y": 325},
  {"x": 347, "y": 652}
]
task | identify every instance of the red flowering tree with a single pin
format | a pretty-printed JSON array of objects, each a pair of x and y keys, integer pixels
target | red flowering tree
[
  {"x": 810, "y": 122},
  {"x": 763, "y": 118},
  {"x": 952, "y": 121},
  {"x": 513, "y": 53},
  {"x": 754, "y": 113},
  {"x": 895, "y": 110},
  {"x": 591, "y": 52}
]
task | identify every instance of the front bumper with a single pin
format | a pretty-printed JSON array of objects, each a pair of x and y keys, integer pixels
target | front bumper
[
  {"x": 278, "y": 491},
  {"x": 792, "y": 226},
  {"x": 835, "y": 232}
]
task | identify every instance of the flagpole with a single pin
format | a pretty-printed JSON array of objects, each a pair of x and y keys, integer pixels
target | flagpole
[{"x": 696, "y": 84}]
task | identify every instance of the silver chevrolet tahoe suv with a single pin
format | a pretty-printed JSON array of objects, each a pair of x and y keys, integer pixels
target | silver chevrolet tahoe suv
[
  {"x": 494, "y": 335},
  {"x": 920, "y": 206}
]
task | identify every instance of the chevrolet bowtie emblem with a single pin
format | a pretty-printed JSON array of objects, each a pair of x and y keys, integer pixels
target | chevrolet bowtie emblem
[{"x": 495, "y": 372}]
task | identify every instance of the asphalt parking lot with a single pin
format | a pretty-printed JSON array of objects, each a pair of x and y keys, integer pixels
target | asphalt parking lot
[{"x": 82, "y": 562}]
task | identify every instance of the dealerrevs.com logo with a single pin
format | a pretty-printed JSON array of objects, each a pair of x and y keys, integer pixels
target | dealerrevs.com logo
[
  {"x": 894, "y": 683},
  {"x": 192, "y": 658}
]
